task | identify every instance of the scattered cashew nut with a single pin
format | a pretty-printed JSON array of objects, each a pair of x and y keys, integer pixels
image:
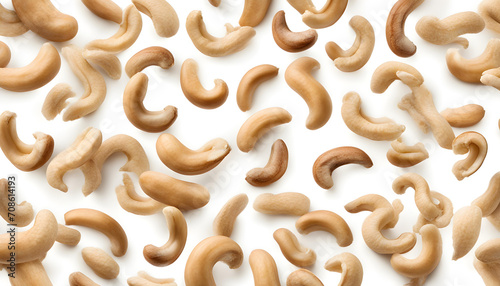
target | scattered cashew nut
[
  {"x": 249, "y": 83},
  {"x": 395, "y": 28},
  {"x": 224, "y": 221},
  {"x": 274, "y": 169},
  {"x": 491, "y": 77},
  {"x": 56, "y": 100},
  {"x": 328, "y": 15},
  {"x": 130, "y": 201},
  {"x": 264, "y": 270},
  {"x": 404, "y": 156},
  {"x": 30, "y": 273},
  {"x": 293, "y": 251},
  {"x": 349, "y": 266},
  {"x": 441, "y": 221},
  {"x": 466, "y": 228},
  {"x": 155, "y": 55},
  {"x": 100, "y": 262},
  {"x": 473, "y": 143},
  {"x": 489, "y": 201},
  {"x": 288, "y": 203},
  {"x": 10, "y": 24},
  {"x": 80, "y": 279},
  {"x": 106, "y": 9},
  {"x": 68, "y": 236},
  {"x": 464, "y": 116},
  {"x": 289, "y": 41},
  {"x": 107, "y": 61},
  {"x": 254, "y": 12},
  {"x": 328, "y": 221},
  {"x": 303, "y": 277},
  {"x": 144, "y": 279},
  {"x": 490, "y": 11},
  {"x": 163, "y": 15},
  {"x": 23, "y": 213}
]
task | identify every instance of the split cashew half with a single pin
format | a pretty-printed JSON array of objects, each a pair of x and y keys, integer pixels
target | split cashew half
[
  {"x": 491, "y": 77},
  {"x": 10, "y": 24},
  {"x": 224, "y": 221},
  {"x": 108, "y": 62},
  {"x": 473, "y": 143},
  {"x": 67, "y": 235},
  {"x": 328, "y": 221},
  {"x": 288, "y": 203},
  {"x": 490, "y": 11},
  {"x": 100, "y": 262},
  {"x": 254, "y": 12},
  {"x": 293, "y": 251},
  {"x": 289, "y": 41},
  {"x": 105, "y": 9},
  {"x": 328, "y": 15},
  {"x": 395, "y": 28},
  {"x": 404, "y": 156},
  {"x": 163, "y": 15},
  {"x": 466, "y": 228},
  {"x": 155, "y": 55},
  {"x": 489, "y": 201},
  {"x": 464, "y": 116},
  {"x": 274, "y": 169},
  {"x": 23, "y": 213},
  {"x": 80, "y": 279},
  {"x": 349, "y": 266},
  {"x": 249, "y": 83},
  {"x": 264, "y": 270},
  {"x": 144, "y": 279},
  {"x": 303, "y": 277},
  {"x": 130, "y": 201},
  {"x": 441, "y": 221}
]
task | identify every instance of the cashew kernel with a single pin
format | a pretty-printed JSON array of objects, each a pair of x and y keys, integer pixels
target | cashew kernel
[
  {"x": 349, "y": 266},
  {"x": 328, "y": 15},
  {"x": 464, "y": 116},
  {"x": 264, "y": 270},
  {"x": 107, "y": 61},
  {"x": 466, "y": 228},
  {"x": 224, "y": 221},
  {"x": 100, "y": 262},
  {"x": 473, "y": 143},
  {"x": 80, "y": 279},
  {"x": 404, "y": 156},
  {"x": 395, "y": 28},
  {"x": 249, "y": 83},
  {"x": 303, "y": 277},
  {"x": 289, "y": 41},
  {"x": 490, "y": 11},
  {"x": 274, "y": 169},
  {"x": 288, "y": 203},
  {"x": 68, "y": 236},
  {"x": 293, "y": 251},
  {"x": 23, "y": 213},
  {"x": 10, "y": 24},
  {"x": 106, "y": 9},
  {"x": 328, "y": 221},
  {"x": 163, "y": 15},
  {"x": 155, "y": 55}
]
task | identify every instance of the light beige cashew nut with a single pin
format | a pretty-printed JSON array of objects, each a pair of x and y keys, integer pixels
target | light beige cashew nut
[
  {"x": 358, "y": 55},
  {"x": 254, "y": 12},
  {"x": 249, "y": 83},
  {"x": 494, "y": 218},
  {"x": 490, "y": 11},
  {"x": 235, "y": 40},
  {"x": 395, "y": 28},
  {"x": 404, "y": 156},
  {"x": 107, "y": 61},
  {"x": 163, "y": 15},
  {"x": 441, "y": 221},
  {"x": 274, "y": 169},
  {"x": 100, "y": 262},
  {"x": 491, "y": 77},
  {"x": 298, "y": 77},
  {"x": 489, "y": 252},
  {"x": 349, "y": 266},
  {"x": 18, "y": 214},
  {"x": 387, "y": 73},
  {"x": 289, "y": 41},
  {"x": 5, "y": 53},
  {"x": 130, "y": 201},
  {"x": 172, "y": 249},
  {"x": 328, "y": 221},
  {"x": 288, "y": 203},
  {"x": 56, "y": 100},
  {"x": 155, "y": 55},
  {"x": 264, "y": 270},
  {"x": 489, "y": 201},
  {"x": 106, "y": 9},
  {"x": 293, "y": 251},
  {"x": 80, "y": 279},
  {"x": 68, "y": 236},
  {"x": 10, "y": 24},
  {"x": 224, "y": 221},
  {"x": 30, "y": 273},
  {"x": 490, "y": 272},
  {"x": 464, "y": 116},
  {"x": 473, "y": 143},
  {"x": 328, "y": 15},
  {"x": 466, "y": 228},
  {"x": 144, "y": 279},
  {"x": 303, "y": 277},
  {"x": 198, "y": 271}
]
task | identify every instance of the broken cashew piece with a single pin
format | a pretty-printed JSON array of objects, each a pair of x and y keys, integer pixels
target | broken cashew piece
[
  {"x": 490, "y": 11},
  {"x": 328, "y": 15},
  {"x": 274, "y": 169},
  {"x": 157, "y": 56},
  {"x": 80, "y": 279},
  {"x": 68, "y": 236},
  {"x": 224, "y": 221},
  {"x": 466, "y": 228},
  {"x": 464, "y": 116},
  {"x": 489, "y": 201},
  {"x": 441, "y": 221},
  {"x": 349, "y": 266},
  {"x": 130, "y": 201},
  {"x": 249, "y": 83},
  {"x": 23, "y": 212},
  {"x": 404, "y": 156},
  {"x": 293, "y": 251},
  {"x": 358, "y": 55},
  {"x": 30, "y": 273},
  {"x": 264, "y": 270},
  {"x": 163, "y": 15},
  {"x": 289, "y": 41},
  {"x": 473, "y": 143},
  {"x": 107, "y": 61},
  {"x": 491, "y": 77},
  {"x": 395, "y": 28},
  {"x": 56, "y": 100},
  {"x": 105, "y": 9},
  {"x": 288, "y": 203},
  {"x": 303, "y": 277},
  {"x": 328, "y": 221},
  {"x": 10, "y": 24},
  {"x": 254, "y": 12},
  {"x": 100, "y": 262},
  {"x": 144, "y": 279}
]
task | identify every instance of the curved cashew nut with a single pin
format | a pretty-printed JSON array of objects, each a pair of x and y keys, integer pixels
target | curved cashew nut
[
  {"x": 471, "y": 70},
  {"x": 325, "y": 221},
  {"x": 104, "y": 224},
  {"x": 298, "y": 77},
  {"x": 23, "y": 156},
  {"x": 288, "y": 203},
  {"x": 448, "y": 30},
  {"x": 100, "y": 262},
  {"x": 198, "y": 271},
  {"x": 106, "y": 9},
  {"x": 387, "y": 73},
  {"x": 295, "y": 253},
  {"x": 173, "y": 192},
  {"x": 473, "y": 143},
  {"x": 235, "y": 40},
  {"x": 490, "y": 272},
  {"x": 163, "y": 15},
  {"x": 68, "y": 236},
  {"x": 32, "y": 244},
  {"x": 488, "y": 9},
  {"x": 350, "y": 267},
  {"x": 489, "y": 252},
  {"x": 330, "y": 160},
  {"x": 254, "y": 12},
  {"x": 249, "y": 83},
  {"x": 395, "y": 28},
  {"x": 30, "y": 273},
  {"x": 489, "y": 201},
  {"x": 224, "y": 221},
  {"x": 107, "y": 61},
  {"x": 196, "y": 93},
  {"x": 264, "y": 270},
  {"x": 274, "y": 169},
  {"x": 441, "y": 221},
  {"x": 80, "y": 279},
  {"x": 56, "y": 100},
  {"x": 10, "y": 24},
  {"x": 494, "y": 218},
  {"x": 130, "y": 201},
  {"x": 5, "y": 53},
  {"x": 492, "y": 78},
  {"x": 23, "y": 212},
  {"x": 144, "y": 279},
  {"x": 328, "y": 15},
  {"x": 464, "y": 116},
  {"x": 466, "y": 228},
  {"x": 258, "y": 124},
  {"x": 372, "y": 128},
  {"x": 404, "y": 156},
  {"x": 358, "y": 55},
  {"x": 303, "y": 277},
  {"x": 155, "y": 55},
  {"x": 137, "y": 114},
  {"x": 170, "y": 251},
  {"x": 289, "y": 41}
]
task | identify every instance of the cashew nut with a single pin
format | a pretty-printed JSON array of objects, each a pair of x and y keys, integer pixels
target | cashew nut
[
  {"x": 303, "y": 277},
  {"x": 491, "y": 77},
  {"x": 441, "y": 221},
  {"x": 254, "y": 12},
  {"x": 298, "y": 77},
  {"x": 104, "y": 224},
  {"x": 100, "y": 262},
  {"x": 80, "y": 279},
  {"x": 489, "y": 201},
  {"x": 289, "y": 41},
  {"x": 163, "y": 15},
  {"x": 330, "y": 160},
  {"x": 288, "y": 203},
  {"x": 295, "y": 253},
  {"x": 464, "y": 116},
  {"x": 106, "y": 9},
  {"x": 198, "y": 271},
  {"x": 466, "y": 228},
  {"x": 258, "y": 124},
  {"x": 328, "y": 15},
  {"x": 264, "y": 270},
  {"x": 5, "y": 53},
  {"x": 155, "y": 55},
  {"x": 235, "y": 40},
  {"x": 55, "y": 101},
  {"x": 107, "y": 61},
  {"x": 325, "y": 221},
  {"x": 224, "y": 221},
  {"x": 494, "y": 218},
  {"x": 387, "y": 73},
  {"x": 249, "y": 83},
  {"x": 30, "y": 273},
  {"x": 489, "y": 252},
  {"x": 10, "y": 24},
  {"x": 172, "y": 249},
  {"x": 23, "y": 213},
  {"x": 490, "y": 272},
  {"x": 130, "y": 201},
  {"x": 489, "y": 10},
  {"x": 473, "y": 143},
  {"x": 68, "y": 236},
  {"x": 144, "y": 279},
  {"x": 173, "y": 192},
  {"x": 350, "y": 267},
  {"x": 358, "y": 55},
  {"x": 274, "y": 169},
  {"x": 404, "y": 156},
  {"x": 395, "y": 28},
  {"x": 137, "y": 114}
]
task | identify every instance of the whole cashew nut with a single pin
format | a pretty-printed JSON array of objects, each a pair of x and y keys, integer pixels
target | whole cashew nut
[
  {"x": 489, "y": 201},
  {"x": 489, "y": 10},
  {"x": 464, "y": 116},
  {"x": 106, "y": 9},
  {"x": 289, "y": 41},
  {"x": 328, "y": 15},
  {"x": 349, "y": 266},
  {"x": 130, "y": 201},
  {"x": 288, "y": 203},
  {"x": 404, "y": 156},
  {"x": 56, "y": 100},
  {"x": 473, "y": 143},
  {"x": 441, "y": 221},
  {"x": 163, "y": 15},
  {"x": 328, "y": 221},
  {"x": 155, "y": 55},
  {"x": 254, "y": 12},
  {"x": 10, "y": 24},
  {"x": 249, "y": 83},
  {"x": 23, "y": 213},
  {"x": 107, "y": 61},
  {"x": 5, "y": 53},
  {"x": 264, "y": 270},
  {"x": 395, "y": 28},
  {"x": 491, "y": 77},
  {"x": 303, "y": 277},
  {"x": 293, "y": 251},
  {"x": 466, "y": 228},
  {"x": 224, "y": 221},
  {"x": 30, "y": 273},
  {"x": 100, "y": 262},
  {"x": 274, "y": 169}
]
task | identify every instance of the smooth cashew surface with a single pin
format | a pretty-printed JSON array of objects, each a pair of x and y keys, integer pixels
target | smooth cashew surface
[
  {"x": 80, "y": 279},
  {"x": 30, "y": 273},
  {"x": 130, "y": 201},
  {"x": 158, "y": 56},
  {"x": 328, "y": 15},
  {"x": 349, "y": 266},
  {"x": 144, "y": 279},
  {"x": 107, "y": 61},
  {"x": 328, "y": 221},
  {"x": 464, "y": 116},
  {"x": 249, "y": 83},
  {"x": 100, "y": 262},
  {"x": 303, "y": 277},
  {"x": 289, "y": 41},
  {"x": 56, "y": 100},
  {"x": 274, "y": 169},
  {"x": 68, "y": 236},
  {"x": 163, "y": 15},
  {"x": 264, "y": 270},
  {"x": 491, "y": 77},
  {"x": 10, "y": 24},
  {"x": 387, "y": 73},
  {"x": 288, "y": 203},
  {"x": 293, "y": 251},
  {"x": 254, "y": 12},
  {"x": 466, "y": 228},
  {"x": 5, "y": 53},
  {"x": 494, "y": 218},
  {"x": 489, "y": 252},
  {"x": 441, "y": 221},
  {"x": 23, "y": 213},
  {"x": 106, "y": 9},
  {"x": 489, "y": 201},
  {"x": 490, "y": 11},
  {"x": 224, "y": 221},
  {"x": 473, "y": 143},
  {"x": 403, "y": 156},
  {"x": 490, "y": 272},
  {"x": 395, "y": 28}
]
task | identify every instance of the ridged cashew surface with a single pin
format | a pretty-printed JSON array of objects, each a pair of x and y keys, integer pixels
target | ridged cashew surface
[
  {"x": 274, "y": 169},
  {"x": 402, "y": 155},
  {"x": 108, "y": 62},
  {"x": 287, "y": 203},
  {"x": 132, "y": 202},
  {"x": 441, "y": 221},
  {"x": 144, "y": 279},
  {"x": 327, "y": 221},
  {"x": 80, "y": 279},
  {"x": 10, "y": 24},
  {"x": 491, "y": 77},
  {"x": 315, "y": 18},
  {"x": 23, "y": 213},
  {"x": 30, "y": 273},
  {"x": 466, "y": 228},
  {"x": 264, "y": 269},
  {"x": 224, "y": 221},
  {"x": 288, "y": 40},
  {"x": 395, "y": 28},
  {"x": 249, "y": 83},
  {"x": 106, "y": 9},
  {"x": 254, "y": 12},
  {"x": 490, "y": 11},
  {"x": 349, "y": 266},
  {"x": 293, "y": 251},
  {"x": 100, "y": 262},
  {"x": 158, "y": 56},
  {"x": 464, "y": 116},
  {"x": 163, "y": 15},
  {"x": 67, "y": 235},
  {"x": 303, "y": 277},
  {"x": 476, "y": 146}
]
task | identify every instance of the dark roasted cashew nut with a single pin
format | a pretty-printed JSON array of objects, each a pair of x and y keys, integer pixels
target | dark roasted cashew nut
[
  {"x": 476, "y": 146},
  {"x": 395, "y": 28},
  {"x": 289, "y": 41},
  {"x": 274, "y": 169}
]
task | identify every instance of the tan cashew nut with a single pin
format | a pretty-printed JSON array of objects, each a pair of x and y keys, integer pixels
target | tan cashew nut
[
  {"x": 466, "y": 228},
  {"x": 328, "y": 221},
  {"x": 491, "y": 77},
  {"x": 30, "y": 273},
  {"x": 490, "y": 272},
  {"x": 490, "y": 11},
  {"x": 67, "y": 235},
  {"x": 108, "y": 62},
  {"x": 100, "y": 262},
  {"x": 56, "y": 100},
  {"x": 249, "y": 83},
  {"x": 198, "y": 271},
  {"x": 106, "y": 9},
  {"x": 293, "y": 251},
  {"x": 5, "y": 53},
  {"x": 473, "y": 143},
  {"x": 254, "y": 12},
  {"x": 303, "y": 277},
  {"x": 358, "y": 55},
  {"x": 172, "y": 249},
  {"x": 224, "y": 221},
  {"x": 80, "y": 279},
  {"x": 274, "y": 169},
  {"x": 349, "y": 266},
  {"x": 10, "y": 24},
  {"x": 441, "y": 221},
  {"x": 163, "y": 15},
  {"x": 144, "y": 279},
  {"x": 403, "y": 156},
  {"x": 464, "y": 116},
  {"x": 23, "y": 213},
  {"x": 130, "y": 201},
  {"x": 395, "y": 28},
  {"x": 489, "y": 251},
  {"x": 494, "y": 218},
  {"x": 328, "y": 15},
  {"x": 387, "y": 73},
  {"x": 298, "y": 77},
  {"x": 264, "y": 270},
  {"x": 288, "y": 203},
  {"x": 289, "y": 41},
  {"x": 155, "y": 55},
  {"x": 489, "y": 201}
]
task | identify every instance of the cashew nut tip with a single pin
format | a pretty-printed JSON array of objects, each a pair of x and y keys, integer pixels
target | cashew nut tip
[
  {"x": 274, "y": 169},
  {"x": 23, "y": 212},
  {"x": 476, "y": 146},
  {"x": 206, "y": 254},
  {"x": 332, "y": 159},
  {"x": 289, "y": 41},
  {"x": 404, "y": 156},
  {"x": 137, "y": 114},
  {"x": 152, "y": 56},
  {"x": 293, "y": 251},
  {"x": 225, "y": 220},
  {"x": 215, "y": 3},
  {"x": 172, "y": 249},
  {"x": 288, "y": 203},
  {"x": 264, "y": 270},
  {"x": 489, "y": 252},
  {"x": 464, "y": 116},
  {"x": 163, "y": 15},
  {"x": 55, "y": 101},
  {"x": 5, "y": 53},
  {"x": 259, "y": 124},
  {"x": 328, "y": 221},
  {"x": 196, "y": 93},
  {"x": 67, "y": 235},
  {"x": 106, "y": 9},
  {"x": 298, "y": 77},
  {"x": 107, "y": 61},
  {"x": 102, "y": 223},
  {"x": 466, "y": 228},
  {"x": 490, "y": 199},
  {"x": 144, "y": 279},
  {"x": 80, "y": 279},
  {"x": 100, "y": 262},
  {"x": 489, "y": 10},
  {"x": 395, "y": 28},
  {"x": 349, "y": 266},
  {"x": 303, "y": 277},
  {"x": 130, "y": 201},
  {"x": 441, "y": 221},
  {"x": 328, "y": 15},
  {"x": 249, "y": 83},
  {"x": 235, "y": 40},
  {"x": 10, "y": 24},
  {"x": 254, "y": 12},
  {"x": 30, "y": 273},
  {"x": 492, "y": 78},
  {"x": 23, "y": 156},
  {"x": 386, "y": 74},
  {"x": 358, "y": 55}
]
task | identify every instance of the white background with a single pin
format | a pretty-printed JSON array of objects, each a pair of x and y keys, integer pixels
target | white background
[{"x": 196, "y": 126}]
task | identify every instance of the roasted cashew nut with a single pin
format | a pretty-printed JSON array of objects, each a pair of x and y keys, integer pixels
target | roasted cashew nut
[
  {"x": 163, "y": 15},
  {"x": 395, "y": 28},
  {"x": 144, "y": 279},
  {"x": 489, "y": 201},
  {"x": 23, "y": 213},
  {"x": 224, "y": 221},
  {"x": 100, "y": 262},
  {"x": 328, "y": 15},
  {"x": 387, "y": 73},
  {"x": 10, "y": 24},
  {"x": 68, "y": 236},
  {"x": 107, "y": 61},
  {"x": 293, "y": 251},
  {"x": 155, "y": 55},
  {"x": 254, "y": 12},
  {"x": 464, "y": 116},
  {"x": 80, "y": 279},
  {"x": 130, "y": 201},
  {"x": 404, "y": 156},
  {"x": 441, "y": 221},
  {"x": 30, "y": 273},
  {"x": 490, "y": 11},
  {"x": 473, "y": 143},
  {"x": 491, "y": 77},
  {"x": 274, "y": 169},
  {"x": 56, "y": 100},
  {"x": 264, "y": 270},
  {"x": 5, "y": 53},
  {"x": 490, "y": 272},
  {"x": 288, "y": 203},
  {"x": 349, "y": 266},
  {"x": 106, "y": 9},
  {"x": 303, "y": 277},
  {"x": 328, "y": 221},
  {"x": 289, "y": 41},
  {"x": 466, "y": 228},
  {"x": 249, "y": 83}
]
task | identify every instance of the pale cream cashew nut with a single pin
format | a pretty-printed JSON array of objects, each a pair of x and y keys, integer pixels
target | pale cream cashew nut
[
  {"x": 328, "y": 221},
  {"x": 288, "y": 203},
  {"x": 224, "y": 221},
  {"x": 476, "y": 146},
  {"x": 349, "y": 266},
  {"x": 404, "y": 156}
]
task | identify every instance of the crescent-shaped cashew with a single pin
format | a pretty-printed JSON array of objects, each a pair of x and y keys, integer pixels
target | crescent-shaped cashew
[
  {"x": 224, "y": 221},
  {"x": 107, "y": 61},
  {"x": 100, "y": 262},
  {"x": 464, "y": 116},
  {"x": 157, "y": 56},
  {"x": 80, "y": 279},
  {"x": 349, "y": 266},
  {"x": 358, "y": 55},
  {"x": 106, "y": 9},
  {"x": 68, "y": 236},
  {"x": 332, "y": 159},
  {"x": 264, "y": 270},
  {"x": 144, "y": 279},
  {"x": 395, "y": 28},
  {"x": 473, "y": 143},
  {"x": 31, "y": 244},
  {"x": 5, "y": 53},
  {"x": 163, "y": 15},
  {"x": 56, "y": 100},
  {"x": 293, "y": 251},
  {"x": 328, "y": 221},
  {"x": 30, "y": 273},
  {"x": 289, "y": 41},
  {"x": 489, "y": 252},
  {"x": 254, "y": 12},
  {"x": 303, "y": 277},
  {"x": 104, "y": 224},
  {"x": 328, "y": 15},
  {"x": 491, "y": 77},
  {"x": 198, "y": 271},
  {"x": 10, "y": 24},
  {"x": 489, "y": 201},
  {"x": 249, "y": 83},
  {"x": 288, "y": 203},
  {"x": 41, "y": 17},
  {"x": 490, "y": 272},
  {"x": 258, "y": 124},
  {"x": 404, "y": 156},
  {"x": 183, "y": 160},
  {"x": 378, "y": 129},
  {"x": 466, "y": 228},
  {"x": 23, "y": 213},
  {"x": 490, "y": 11},
  {"x": 441, "y": 221},
  {"x": 427, "y": 260},
  {"x": 23, "y": 156},
  {"x": 127, "y": 34},
  {"x": 274, "y": 169},
  {"x": 298, "y": 77},
  {"x": 172, "y": 249},
  {"x": 196, "y": 93},
  {"x": 235, "y": 40},
  {"x": 137, "y": 114},
  {"x": 173, "y": 192},
  {"x": 471, "y": 70},
  {"x": 448, "y": 30},
  {"x": 130, "y": 201},
  {"x": 387, "y": 73}
]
